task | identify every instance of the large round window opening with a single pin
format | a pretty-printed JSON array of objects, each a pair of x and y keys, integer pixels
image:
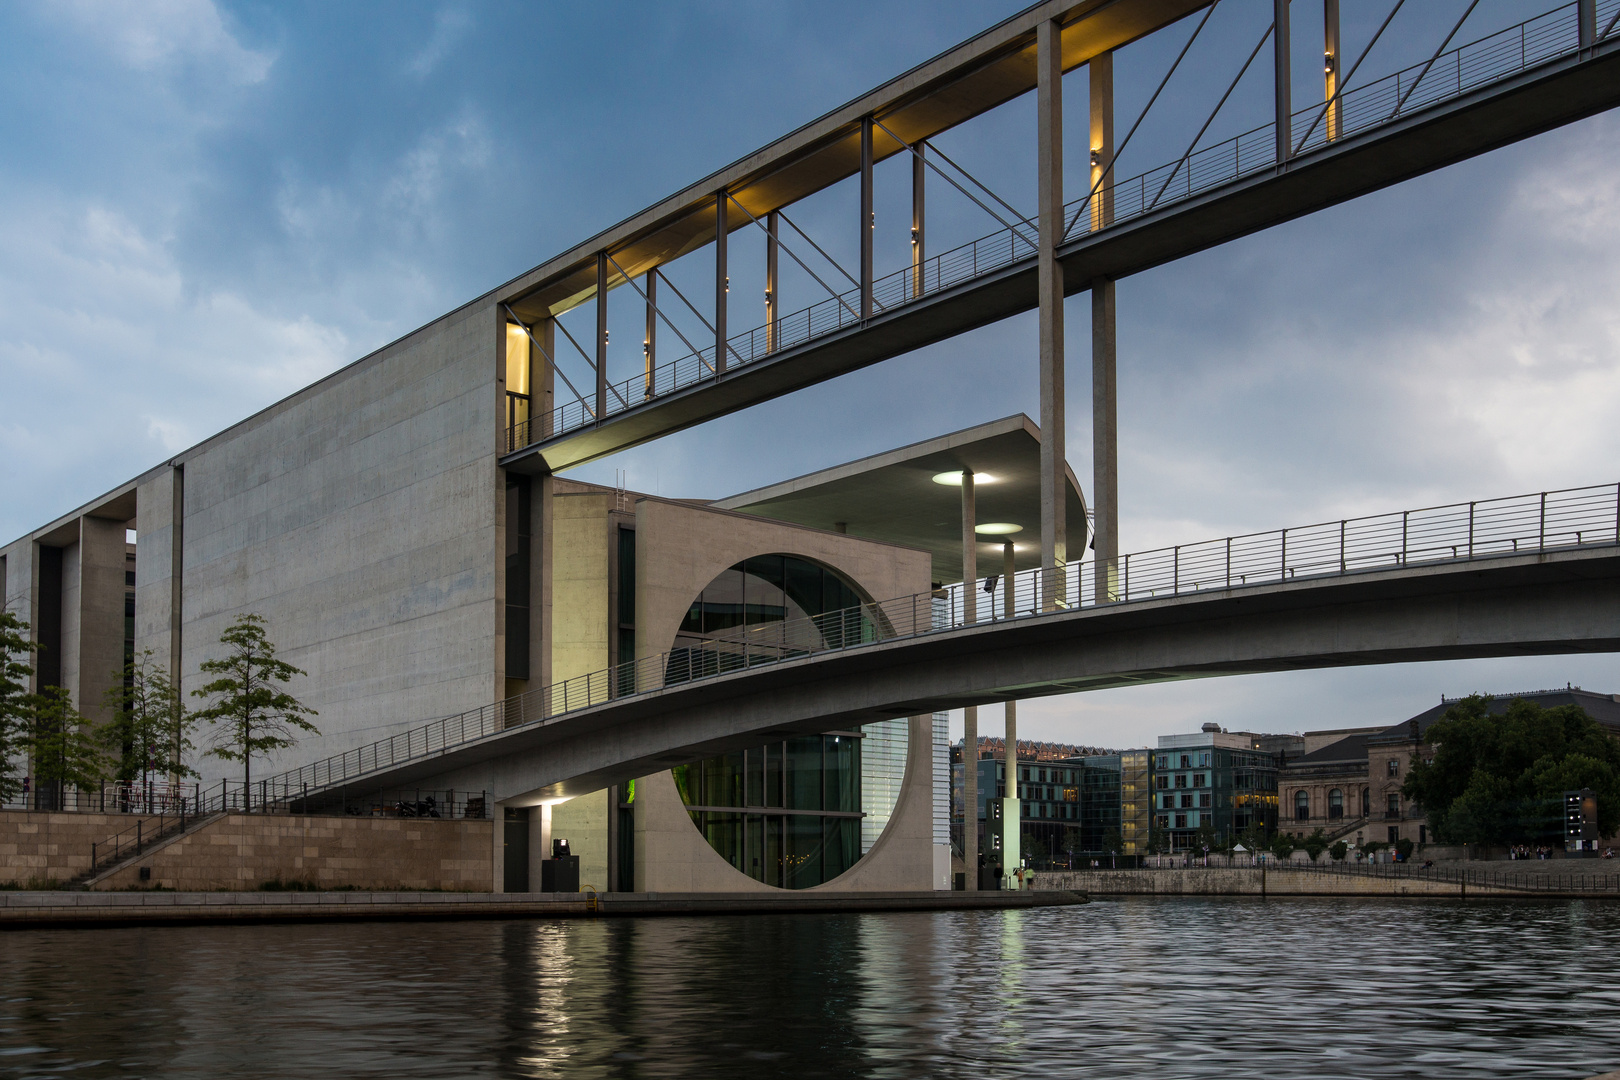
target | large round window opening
[{"x": 796, "y": 812}]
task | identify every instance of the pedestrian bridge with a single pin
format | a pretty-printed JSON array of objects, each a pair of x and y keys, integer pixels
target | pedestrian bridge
[{"x": 1527, "y": 575}]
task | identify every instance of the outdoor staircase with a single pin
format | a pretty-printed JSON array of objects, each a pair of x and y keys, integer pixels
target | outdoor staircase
[{"x": 164, "y": 831}]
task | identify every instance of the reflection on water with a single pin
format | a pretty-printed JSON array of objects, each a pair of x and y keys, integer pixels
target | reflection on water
[{"x": 1139, "y": 988}]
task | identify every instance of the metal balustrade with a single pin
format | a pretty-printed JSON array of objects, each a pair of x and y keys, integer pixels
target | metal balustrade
[
  {"x": 1508, "y": 52},
  {"x": 1455, "y": 533}
]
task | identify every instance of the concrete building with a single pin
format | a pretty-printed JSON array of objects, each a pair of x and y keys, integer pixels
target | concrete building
[{"x": 367, "y": 519}]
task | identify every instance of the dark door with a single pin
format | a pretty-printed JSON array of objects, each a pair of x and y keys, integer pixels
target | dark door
[{"x": 516, "y": 849}]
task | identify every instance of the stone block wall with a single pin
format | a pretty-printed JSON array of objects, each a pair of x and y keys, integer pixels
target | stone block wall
[
  {"x": 243, "y": 851},
  {"x": 51, "y": 846}
]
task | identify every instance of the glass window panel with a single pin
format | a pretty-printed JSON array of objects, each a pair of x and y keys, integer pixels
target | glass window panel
[
  {"x": 756, "y": 777},
  {"x": 773, "y": 774},
  {"x": 723, "y": 602},
  {"x": 804, "y": 773},
  {"x": 803, "y": 851},
  {"x": 517, "y": 360}
]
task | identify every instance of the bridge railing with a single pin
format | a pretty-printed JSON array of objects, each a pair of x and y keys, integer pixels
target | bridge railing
[
  {"x": 1455, "y": 532},
  {"x": 1500, "y": 55}
]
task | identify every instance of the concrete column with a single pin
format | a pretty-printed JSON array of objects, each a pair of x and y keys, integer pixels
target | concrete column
[
  {"x": 1104, "y": 443},
  {"x": 970, "y": 797},
  {"x": 919, "y": 219},
  {"x": 100, "y": 616},
  {"x": 1008, "y": 569},
  {"x": 540, "y": 570},
  {"x": 722, "y": 281},
  {"x": 773, "y": 309},
  {"x": 601, "y": 335},
  {"x": 1283, "y": 70},
  {"x": 867, "y": 221},
  {"x": 649, "y": 342},
  {"x": 1330, "y": 67},
  {"x": 1049, "y": 125},
  {"x": 970, "y": 550},
  {"x": 545, "y": 386},
  {"x": 1101, "y": 71},
  {"x": 970, "y": 714}
]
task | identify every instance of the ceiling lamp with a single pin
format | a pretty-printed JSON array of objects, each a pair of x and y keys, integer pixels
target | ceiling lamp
[
  {"x": 998, "y": 528},
  {"x": 954, "y": 479}
]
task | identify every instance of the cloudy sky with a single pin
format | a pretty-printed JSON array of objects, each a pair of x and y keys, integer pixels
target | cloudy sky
[{"x": 204, "y": 206}]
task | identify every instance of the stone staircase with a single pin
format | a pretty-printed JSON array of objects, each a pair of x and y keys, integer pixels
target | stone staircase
[{"x": 164, "y": 832}]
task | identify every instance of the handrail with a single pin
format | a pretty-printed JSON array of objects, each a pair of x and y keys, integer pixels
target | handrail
[
  {"x": 1572, "y": 518},
  {"x": 1552, "y": 35}
]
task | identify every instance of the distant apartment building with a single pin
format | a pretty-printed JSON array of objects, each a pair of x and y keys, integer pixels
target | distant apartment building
[{"x": 1215, "y": 784}]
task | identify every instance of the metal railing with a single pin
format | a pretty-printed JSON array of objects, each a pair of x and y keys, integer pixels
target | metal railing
[
  {"x": 107, "y": 797},
  {"x": 1554, "y": 882},
  {"x": 1454, "y": 533},
  {"x": 1505, "y": 53}
]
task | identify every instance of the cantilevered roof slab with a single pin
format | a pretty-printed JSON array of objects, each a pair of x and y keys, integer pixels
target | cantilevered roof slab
[{"x": 895, "y": 497}]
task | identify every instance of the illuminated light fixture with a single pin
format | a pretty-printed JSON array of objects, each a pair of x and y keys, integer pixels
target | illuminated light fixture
[
  {"x": 1327, "y": 63},
  {"x": 998, "y": 528},
  {"x": 954, "y": 479},
  {"x": 1096, "y": 156}
]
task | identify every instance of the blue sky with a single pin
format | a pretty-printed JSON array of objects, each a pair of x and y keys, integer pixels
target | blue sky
[{"x": 205, "y": 206}]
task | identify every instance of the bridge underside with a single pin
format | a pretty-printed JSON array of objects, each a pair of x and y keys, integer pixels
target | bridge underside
[
  {"x": 1530, "y": 605},
  {"x": 1557, "y": 93}
]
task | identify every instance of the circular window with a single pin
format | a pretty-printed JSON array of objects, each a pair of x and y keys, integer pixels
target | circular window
[{"x": 795, "y": 812}]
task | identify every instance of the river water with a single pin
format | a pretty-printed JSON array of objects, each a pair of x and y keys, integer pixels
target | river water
[{"x": 1139, "y": 988}]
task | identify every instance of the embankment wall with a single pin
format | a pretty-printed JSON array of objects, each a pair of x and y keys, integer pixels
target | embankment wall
[
  {"x": 243, "y": 851},
  {"x": 1249, "y": 881}
]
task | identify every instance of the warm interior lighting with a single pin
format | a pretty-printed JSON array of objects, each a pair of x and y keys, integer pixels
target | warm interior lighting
[
  {"x": 517, "y": 360},
  {"x": 998, "y": 528},
  {"x": 954, "y": 479}
]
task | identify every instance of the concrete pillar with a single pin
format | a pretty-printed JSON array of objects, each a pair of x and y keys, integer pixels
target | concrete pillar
[
  {"x": 1049, "y": 125},
  {"x": 100, "y": 615},
  {"x": 1101, "y": 71},
  {"x": 970, "y": 714},
  {"x": 919, "y": 219},
  {"x": 649, "y": 341},
  {"x": 722, "y": 281},
  {"x": 867, "y": 222},
  {"x": 541, "y": 531},
  {"x": 1010, "y": 706},
  {"x": 1283, "y": 71},
  {"x": 1104, "y": 443},
  {"x": 545, "y": 386},
  {"x": 1331, "y": 67},
  {"x": 773, "y": 309},
  {"x": 601, "y": 334}
]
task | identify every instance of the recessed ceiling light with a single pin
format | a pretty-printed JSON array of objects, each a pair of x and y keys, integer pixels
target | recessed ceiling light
[
  {"x": 954, "y": 479},
  {"x": 998, "y": 528}
]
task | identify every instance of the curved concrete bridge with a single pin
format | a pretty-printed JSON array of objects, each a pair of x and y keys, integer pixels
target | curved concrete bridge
[{"x": 1562, "y": 601}]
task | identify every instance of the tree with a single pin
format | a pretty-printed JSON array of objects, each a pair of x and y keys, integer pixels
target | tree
[
  {"x": 62, "y": 750},
  {"x": 15, "y": 713},
  {"x": 151, "y": 726},
  {"x": 1500, "y": 779},
  {"x": 1339, "y": 850},
  {"x": 1282, "y": 845},
  {"x": 1315, "y": 844},
  {"x": 256, "y": 717}
]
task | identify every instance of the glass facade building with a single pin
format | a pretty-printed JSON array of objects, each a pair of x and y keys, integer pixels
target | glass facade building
[{"x": 1215, "y": 785}]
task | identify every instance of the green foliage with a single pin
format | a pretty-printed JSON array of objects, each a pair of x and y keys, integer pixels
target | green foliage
[
  {"x": 1158, "y": 841},
  {"x": 1403, "y": 848},
  {"x": 151, "y": 726},
  {"x": 1113, "y": 842},
  {"x": 1501, "y": 779},
  {"x": 1315, "y": 844},
  {"x": 62, "y": 750},
  {"x": 15, "y": 713},
  {"x": 255, "y": 717},
  {"x": 1282, "y": 845},
  {"x": 1339, "y": 851}
]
